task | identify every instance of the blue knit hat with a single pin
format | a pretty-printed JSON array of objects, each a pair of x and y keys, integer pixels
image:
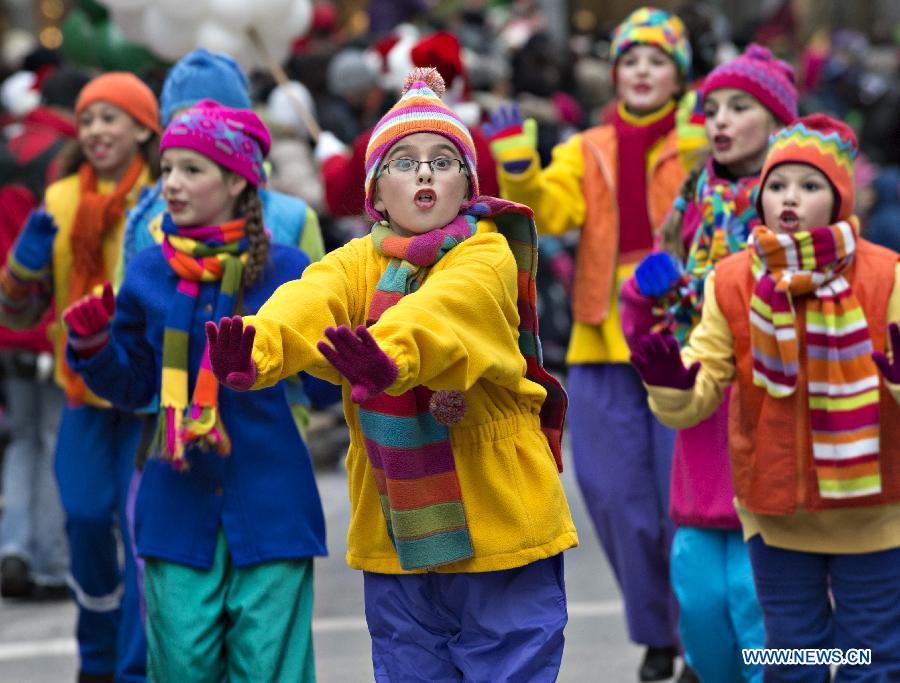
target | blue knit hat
[{"x": 201, "y": 75}]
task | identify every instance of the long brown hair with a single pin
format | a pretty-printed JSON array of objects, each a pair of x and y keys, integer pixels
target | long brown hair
[
  {"x": 249, "y": 206},
  {"x": 671, "y": 237}
]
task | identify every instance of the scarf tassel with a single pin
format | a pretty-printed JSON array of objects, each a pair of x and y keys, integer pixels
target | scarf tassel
[{"x": 204, "y": 427}]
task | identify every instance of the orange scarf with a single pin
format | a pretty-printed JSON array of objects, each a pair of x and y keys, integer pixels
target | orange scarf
[{"x": 97, "y": 214}]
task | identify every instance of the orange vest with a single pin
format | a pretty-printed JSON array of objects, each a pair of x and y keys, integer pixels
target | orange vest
[
  {"x": 598, "y": 250},
  {"x": 769, "y": 438}
]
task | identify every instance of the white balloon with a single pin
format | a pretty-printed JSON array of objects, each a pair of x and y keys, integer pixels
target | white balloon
[
  {"x": 217, "y": 38},
  {"x": 190, "y": 10},
  {"x": 125, "y": 4},
  {"x": 282, "y": 28},
  {"x": 131, "y": 23},
  {"x": 169, "y": 38},
  {"x": 236, "y": 13}
]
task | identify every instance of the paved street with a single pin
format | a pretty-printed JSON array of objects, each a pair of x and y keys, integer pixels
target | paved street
[{"x": 36, "y": 644}]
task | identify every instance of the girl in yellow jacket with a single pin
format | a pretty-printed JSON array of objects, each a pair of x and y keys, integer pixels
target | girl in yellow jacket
[
  {"x": 616, "y": 183},
  {"x": 70, "y": 245},
  {"x": 459, "y": 518}
]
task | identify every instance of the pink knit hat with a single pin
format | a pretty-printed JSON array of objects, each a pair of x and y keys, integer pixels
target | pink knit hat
[
  {"x": 236, "y": 139},
  {"x": 758, "y": 73}
]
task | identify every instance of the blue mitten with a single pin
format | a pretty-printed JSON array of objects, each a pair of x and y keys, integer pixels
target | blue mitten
[
  {"x": 34, "y": 247},
  {"x": 657, "y": 274}
]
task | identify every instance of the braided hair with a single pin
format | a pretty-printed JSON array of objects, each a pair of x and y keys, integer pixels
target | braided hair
[
  {"x": 672, "y": 241},
  {"x": 249, "y": 206}
]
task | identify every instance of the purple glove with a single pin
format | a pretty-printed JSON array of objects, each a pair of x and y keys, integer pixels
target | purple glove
[
  {"x": 891, "y": 371},
  {"x": 657, "y": 359},
  {"x": 230, "y": 351},
  {"x": 358, "y": 358},
  {"x": 88, "y": 322}
]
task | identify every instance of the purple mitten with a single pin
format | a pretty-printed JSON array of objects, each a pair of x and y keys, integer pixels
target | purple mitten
[
  {"x": 891, "y": 371},
  {"x": 657, "y": 359},
  {"x": 230, "y": 352},
  {"x": 358, "y": 358}
]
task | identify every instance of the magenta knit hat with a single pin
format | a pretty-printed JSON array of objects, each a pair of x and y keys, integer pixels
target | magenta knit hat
[
  {"x": 758, "y": 73},
  {"x": 236, "y": 139}
]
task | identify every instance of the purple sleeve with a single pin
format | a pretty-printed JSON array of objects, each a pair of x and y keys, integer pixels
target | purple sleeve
[{"x": 636, "y": 311}]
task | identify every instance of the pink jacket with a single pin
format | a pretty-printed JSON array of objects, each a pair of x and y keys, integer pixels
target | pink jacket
[{"x": 701, "y": 490}]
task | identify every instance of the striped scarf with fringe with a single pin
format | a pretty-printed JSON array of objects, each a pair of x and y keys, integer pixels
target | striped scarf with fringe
[
  {"x": 196, "y": 255},
  {"x": 843, "y": 380}
]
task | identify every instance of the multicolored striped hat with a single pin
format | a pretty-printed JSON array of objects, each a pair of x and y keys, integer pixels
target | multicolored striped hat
[
  {"x": 824, "y": 143},
  {"x": 652, "y": 26},
  {"x": 419, "y": 110}
]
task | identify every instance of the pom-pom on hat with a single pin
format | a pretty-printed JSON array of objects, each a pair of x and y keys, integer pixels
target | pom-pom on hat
[
  {"x": 760, "y": 74},
  {"x": 125, "y": 91},
  {"x": 824, "y": 143},
  {"x": 652, "y": 26},
  {"x": 236, "y": 139},
  {"x": 201, "y": 75},
  {"x": 419, "y": 110}
]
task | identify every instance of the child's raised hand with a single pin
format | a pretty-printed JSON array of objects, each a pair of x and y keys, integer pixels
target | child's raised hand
[
  {"x": 358, "y": 358},
  {"x": 35, "y": 242},
  {"x": 657, "y": 358},
  {"x": 88, "y": 321},
  {"x": 656, "y": 274},
  {"x": 890, "y": 370},
  {"x": 512, "y": 139},
  {"x": 230, "y": 352}
]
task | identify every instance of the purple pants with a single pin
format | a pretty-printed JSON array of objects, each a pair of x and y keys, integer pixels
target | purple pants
[
  {"x": 623, "y": 463},
  {"x": 487, "y": 626}
]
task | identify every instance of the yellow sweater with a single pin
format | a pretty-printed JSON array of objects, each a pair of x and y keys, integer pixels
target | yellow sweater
[
  {"x": 61, "y": 201},
  {"x": 458, "y": 331},
  {"x": 556, "y": 196},
  {"x": 851, "y": 530}
]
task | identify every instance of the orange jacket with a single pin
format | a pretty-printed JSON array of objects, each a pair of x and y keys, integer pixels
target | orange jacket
[{"x": 769, "y": 439}]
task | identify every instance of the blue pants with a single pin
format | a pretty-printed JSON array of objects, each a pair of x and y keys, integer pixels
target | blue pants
[
  {"x": 623, "y": 464},
  {"x": 487, "y": 626},
  {"x": 793, "y": 589},
  {"x": 718, "y": 610},
  {"x": 94, "y": 461}
]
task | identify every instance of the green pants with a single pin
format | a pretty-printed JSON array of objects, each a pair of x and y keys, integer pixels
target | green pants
[{"x": 229, "y": 623}]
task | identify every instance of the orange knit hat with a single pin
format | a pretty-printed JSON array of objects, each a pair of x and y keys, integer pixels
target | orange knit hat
[{"x": 127, "y": 92}]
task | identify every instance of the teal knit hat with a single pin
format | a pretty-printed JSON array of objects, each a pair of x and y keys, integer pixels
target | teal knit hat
[
  {"x": 202, "y": 75},
  {"x": 651, "y": 26}
]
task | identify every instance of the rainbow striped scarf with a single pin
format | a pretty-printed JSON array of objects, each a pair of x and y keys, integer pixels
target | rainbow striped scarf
[
  {"x": 409, "y": 450},
  {"x": 196, "y": 254},
  {"x": 843, "y": 379},
  {"x": 728, "y": 214}
]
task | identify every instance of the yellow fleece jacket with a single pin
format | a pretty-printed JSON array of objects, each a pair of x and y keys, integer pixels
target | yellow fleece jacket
[
  {"x": 849, "y": 530},
  {"x": 458, "y": 331},
  {"x": 61, "y": 201},
  {"x": 556, "y": 196}
]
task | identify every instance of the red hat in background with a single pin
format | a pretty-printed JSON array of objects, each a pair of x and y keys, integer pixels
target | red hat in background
[{"x": 442, "y": 51}]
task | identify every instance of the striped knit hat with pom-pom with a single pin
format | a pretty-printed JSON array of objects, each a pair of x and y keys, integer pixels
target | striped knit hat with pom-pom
[
  {"x": 824, "y": 143},
  {"x": 419, "y": 110}
]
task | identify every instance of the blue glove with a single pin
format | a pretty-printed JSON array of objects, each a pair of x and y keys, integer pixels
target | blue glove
[
  {"x": 657, "y": 274},
  {"x": 34, "y": 247}
]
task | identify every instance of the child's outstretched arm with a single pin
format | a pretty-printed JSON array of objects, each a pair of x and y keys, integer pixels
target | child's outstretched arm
[
  {"x": 26, "y": 285},
  {"x": 680, "y": 394}
]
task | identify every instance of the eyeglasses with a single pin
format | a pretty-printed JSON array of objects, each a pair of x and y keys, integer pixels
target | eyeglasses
[{"x": 439, "y": 166}]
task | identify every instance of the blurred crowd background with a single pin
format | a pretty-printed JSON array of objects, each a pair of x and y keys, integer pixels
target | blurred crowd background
[{"x": 322, "y": 73}]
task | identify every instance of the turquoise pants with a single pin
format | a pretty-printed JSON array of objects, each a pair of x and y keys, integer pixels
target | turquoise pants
[
  {"x": 228, "y": 623},
  {"x": 718, "y": 610}
]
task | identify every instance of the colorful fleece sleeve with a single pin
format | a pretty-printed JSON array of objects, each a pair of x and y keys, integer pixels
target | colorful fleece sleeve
[
  {"x": 712, "y": 344},
  {"x": 554, "y": 193}
]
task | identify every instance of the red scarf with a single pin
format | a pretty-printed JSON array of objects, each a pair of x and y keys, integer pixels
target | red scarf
[
  {"x": 635, "y": 140},
  {"x": 97, "y": 214}
]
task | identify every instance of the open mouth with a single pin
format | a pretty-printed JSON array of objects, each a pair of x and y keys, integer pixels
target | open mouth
[
  {"x": 721, "y": 142},
  {"x": 425, "y": 199},
  {"x": 176, "y": 206},
  {"x": 642, "y": 88},
  {"x": 788, "y": 221},
  {"x": 99, "y": 150}
]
